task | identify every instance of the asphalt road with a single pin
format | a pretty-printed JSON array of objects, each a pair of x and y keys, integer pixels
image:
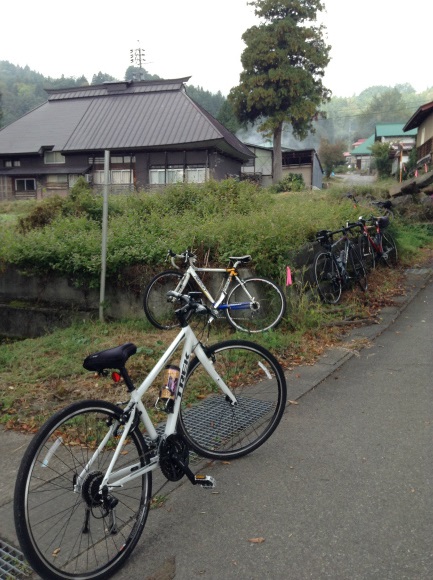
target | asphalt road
[{"x": 342, "y": 490}]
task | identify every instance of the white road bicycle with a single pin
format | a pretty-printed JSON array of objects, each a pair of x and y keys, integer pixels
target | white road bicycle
[
  {"x": 84, "y": 487},
  {"x": 251, "y": 305}
]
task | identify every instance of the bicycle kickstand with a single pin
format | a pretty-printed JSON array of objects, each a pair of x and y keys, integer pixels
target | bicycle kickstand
[{"x": 205, "y": 481}]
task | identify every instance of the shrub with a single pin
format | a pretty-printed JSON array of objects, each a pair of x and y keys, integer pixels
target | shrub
[
  {"x": 290, "y": 182},
  {"x": 219, "y": 219}
]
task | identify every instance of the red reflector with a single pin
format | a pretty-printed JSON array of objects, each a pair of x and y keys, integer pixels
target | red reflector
[{"x": 116, "y": 377}]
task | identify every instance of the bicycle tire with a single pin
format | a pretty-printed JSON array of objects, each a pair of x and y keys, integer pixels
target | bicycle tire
[
  {"x": 64, "y": 534},
  {"x": 327, "y": 278},
  {"x": 211, "y": 425},
  {"x": 159, "y": 310},
  {"x": 367, "y": 252},
  {"x": 389, "y": 250},
  {"x": 356, "y": 269},
  {"x": 264, "y": 313}
]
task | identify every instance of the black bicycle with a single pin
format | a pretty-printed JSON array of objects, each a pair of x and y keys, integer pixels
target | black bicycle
[{"x": 339, "y": 265}]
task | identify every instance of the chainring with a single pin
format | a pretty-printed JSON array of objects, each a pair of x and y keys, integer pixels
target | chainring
[{"x": 172, "y": 446}]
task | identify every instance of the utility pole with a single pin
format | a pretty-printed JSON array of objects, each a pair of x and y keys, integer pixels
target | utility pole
[
  {"x": 137, "y": 57},
  {"x": 104, "y": 235}
]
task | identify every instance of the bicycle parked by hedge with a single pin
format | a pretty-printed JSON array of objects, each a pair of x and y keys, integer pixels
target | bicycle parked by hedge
[
  {"x": 375, "y": 244},
  {"x": 251, "y": 305},
  {"x": 339, "y": 265}
]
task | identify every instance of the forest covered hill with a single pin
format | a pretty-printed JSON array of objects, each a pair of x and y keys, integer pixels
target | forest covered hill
[{"x": 346, "y": 119}]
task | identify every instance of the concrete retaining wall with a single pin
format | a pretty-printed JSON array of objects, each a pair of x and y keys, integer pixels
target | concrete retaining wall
[{"x": 33, "y": 305}]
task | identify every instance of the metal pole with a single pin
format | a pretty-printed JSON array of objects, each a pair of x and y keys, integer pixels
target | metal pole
[{"x": 104, "y": 235}]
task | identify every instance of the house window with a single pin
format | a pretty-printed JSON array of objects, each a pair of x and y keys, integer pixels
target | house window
[
  {"x": 96, "y": 160},
  {"x": 122, "y": 159},
  {"x": 115, "y": 176},
  {"x": 176, "y": 174},
  {"x": 53, "y": 157},
  {"x": 73, "y": 178},
  {"x": 25, "y": 184},
  {"x": 196, "y": 174},
  {"x": 157, "y": 176},
  {"x": 98, "y": 177},
  {"x": 161, "y": 176},
  {"x": 122, "y": 176},
  {"x": 57, "y": 178},
  {"x": 11, "y": 163}
]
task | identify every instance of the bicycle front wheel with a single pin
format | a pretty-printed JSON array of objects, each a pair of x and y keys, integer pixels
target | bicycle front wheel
[
  {"x": 367, "y": 252},
  {"x": 389, "y": 250},
  {"x": 211, "y": 424},
  {"x": 256, "y": 305},
  {"x": 356, "y": 269},
  {"x": 66, "y": 529},
  {"x": 328, "y": 280},
  {"x": 158, "y": 308}
]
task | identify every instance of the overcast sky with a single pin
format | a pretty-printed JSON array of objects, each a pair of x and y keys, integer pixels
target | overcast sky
[{"x": 374, "y": 42}]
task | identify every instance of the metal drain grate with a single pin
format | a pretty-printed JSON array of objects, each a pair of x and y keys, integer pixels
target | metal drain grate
[
  {"x": 214, "y": 410},
  {"x": 12, "y": 563}
]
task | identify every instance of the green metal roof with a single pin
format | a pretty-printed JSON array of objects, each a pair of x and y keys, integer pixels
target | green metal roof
[
  {"x": 393, "y": 130},
  {"x": 364, "y": 148}
]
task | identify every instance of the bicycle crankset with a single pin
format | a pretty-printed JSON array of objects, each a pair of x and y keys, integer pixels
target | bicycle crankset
[{"x": 173, "y": 457}]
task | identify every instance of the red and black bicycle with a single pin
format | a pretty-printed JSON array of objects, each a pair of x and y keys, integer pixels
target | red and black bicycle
[{"x": 375, "y": 244}]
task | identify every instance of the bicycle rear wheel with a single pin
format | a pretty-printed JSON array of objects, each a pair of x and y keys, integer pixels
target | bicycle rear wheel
[
  {"x": 262, "y": 313},
  {"x": 66, "y": 530},
  {"x": 215, "y": 428},
  {"x": 356, "y": 269},
  {"x": 389, "y": 250},
  {"x": 367, "y": 252},
  {"x": 158, "y": 308},
  {"x": 328, "y": 280}
]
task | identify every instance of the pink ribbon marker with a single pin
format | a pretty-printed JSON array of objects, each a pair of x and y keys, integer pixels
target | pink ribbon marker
[{"x": 288, "y": 277}]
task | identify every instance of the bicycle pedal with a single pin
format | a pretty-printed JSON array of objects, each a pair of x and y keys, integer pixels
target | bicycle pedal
[{"x": 205, "y": 481}]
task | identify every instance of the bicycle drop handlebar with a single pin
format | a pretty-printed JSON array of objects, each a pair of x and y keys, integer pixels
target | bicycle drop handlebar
[{"x": 187, "y": 257}]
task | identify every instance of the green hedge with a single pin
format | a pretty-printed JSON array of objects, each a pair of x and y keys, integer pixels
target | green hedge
[{"x": 223, "y": 218}]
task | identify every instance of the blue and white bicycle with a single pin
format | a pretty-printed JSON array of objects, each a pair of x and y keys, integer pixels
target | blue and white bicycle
[{"x": 251, "y": 305}]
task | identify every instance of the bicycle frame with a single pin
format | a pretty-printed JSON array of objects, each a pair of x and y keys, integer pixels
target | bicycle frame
[
  {"x": 341, "y": 268},
  {"x": 191, "y": 272},
  {"x": 330, "y": 245},
  {"x": 376, "y": 243},
  {"x": 114, "y": 479}
]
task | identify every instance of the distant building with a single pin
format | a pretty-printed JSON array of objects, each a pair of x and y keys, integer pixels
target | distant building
[
  {"x": 422, "y": 121},
  {"x": 401, "y": 144},
  {"x": 304, "y": 162},
  {"x": 154, "y": 132}
]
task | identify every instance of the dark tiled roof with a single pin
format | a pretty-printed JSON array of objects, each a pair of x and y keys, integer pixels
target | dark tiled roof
[
  {"x": 419, "y": 116},
  {"x": 119, "y": 116}
]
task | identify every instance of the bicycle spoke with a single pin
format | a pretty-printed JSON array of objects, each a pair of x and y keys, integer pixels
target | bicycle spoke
[
  {"x": 256, "y": 305},
  {"x": 328, "y": 279},
  {"x": 68, "y": 529},
  {"x": 212, "y": 425}
]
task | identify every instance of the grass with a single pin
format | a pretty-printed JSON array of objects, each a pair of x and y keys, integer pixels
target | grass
[{"x": 39, "y": 376}]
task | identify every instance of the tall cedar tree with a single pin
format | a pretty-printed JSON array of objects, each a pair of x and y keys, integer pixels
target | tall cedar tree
[{"x": 283, "y": 65}]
